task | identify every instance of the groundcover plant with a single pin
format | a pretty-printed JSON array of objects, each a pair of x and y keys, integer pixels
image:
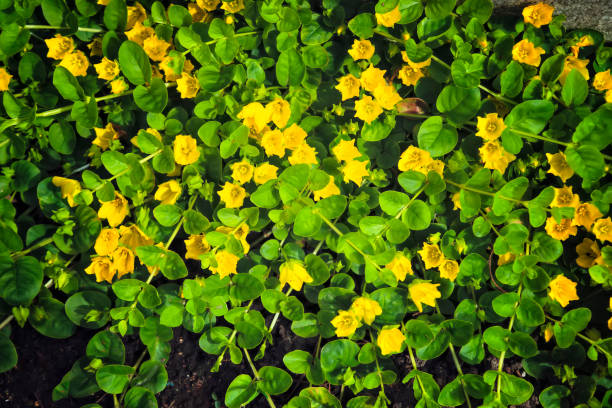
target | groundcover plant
[{"x": 406, "y": 178}]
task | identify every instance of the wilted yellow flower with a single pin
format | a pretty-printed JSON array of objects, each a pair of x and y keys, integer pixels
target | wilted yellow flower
[
  {"x": 603, "y": 229},
  {"x": 123, "y": 261},
  {"x": 355, "y": 171},
  {"x": 346, "y": 322},
  {"x": 586, "y": 214},
  {"x": 348, "y": 86},
  {"x": 107, "y": 69},
  {"x": 346, "y": 150},
  {"x": 59, "y": 46},
  {"x": 279, "y": 112},
  {"x": 5, "y": 79},
  {"x": 456, "y": 198},
  {"x": 102, "y": 267},
  {"x": 366, "y": 309},
  {"x": 232, "y": 6},
  {"x": 588, "y": 253},
  {"x": 95, "y": 47},
  {"x": 196, "y": 245},
  {"x": 490, "y": 127},
  {"x": 273, "y": 144},
  {"x": 133, "y": 237},
  {"x": 294, "y": 136},
  {"x": 107, "y": 241},
  {"x": 331, "y": 189},
  {"x": 563, "y": 290},
  {"x": 410, "y": 75},
  {"x": 118, "y": 86},
  {"x": 139, "y": 33},
  {"x": 372, "y": 78},
  {"x": 292, "y": 272},
  {"x": 254, "y": 115},
  {"x": 525, "y": 52},
  {"x": 242, "y": 171},
  {"x": 564, "y": 197},
  {"x": 104, "y": 136},
  {"x": 571, "y": 63},
  {"x": 226, "y": 264},
  {"x": 156, "y": 48},
  {"x": 538, "y": 15},
  {"x": 185, "y": 150},
  {"x": 232, "y": 195},
  {"x": 367, "y": 109},
  {"x": 135, "y": 14},
  {"x": 424, "y": 293},
  {"x": 115, "y": 210},
  {"x": 494, "y": 157},
  {"x": 559, "y": 166},
  {"x": 390, "y": 341},
  {"x": 68, "y": 187},
  {"x": 389, "y": 18},
  {"x": 602, "y": 80},
  {"x": 387, "y": 96},
  {"x": 303, "y": 154},
  {"x": 208, "y": 5},
  {"x": 188, "y": 86},
  {"x": 431, "y": 255},
  {"x": 361, "y": 49},
  {"x": 562, "y": 230},
  {"x": 198, "y": 15},
  {"x": 76, "y": 62},
  {"x": 400, "y": 266},
  {"x": 449, "y": 269},
  {"x": 548, "y": 333},
  {"x": 265, "y": 172},
  {"x": 413, "y": 158},
  {"x": 168, "y": 192}
]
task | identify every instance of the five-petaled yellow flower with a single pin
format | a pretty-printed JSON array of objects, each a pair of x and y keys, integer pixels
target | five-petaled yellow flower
[
  {"x": 390, "y": 18},
  {"x": 208, "y": 5},
  {"x": 105, "y": 136},
  {"x": 303, "y": 154},
  {"x": 563, "y": 290},
  {"x": 168, "y": 192},
  {"x": 560, "y": 230},
  {"x": 196, "y": 245},
  {"x": 255, "y": 116},
  {"x": 346, "y": 322},
  {"x": 490, "y": 127},
  {"x": 239, "y": 233},
  {"x": 59, "y": 46},
  {"x": 135, "y": 14},
  {"x": 188, "y": 86},
  {"x": 410, "y": 75},
  {"x": 273, "y": 144},
  {"x": 139, "y": 33},
  {"x": 242, "y": 171},
  {"x": 366, "y": 309},
  {"x": 432, "y": 255},
  {"x": 449, "y": 269},
  {"x": 232, "y": 195},
  {"x": 559, "y": 166},
  {"x": 348, "y": 86},
  {"x": 264, "y": 173},
  {"x": 564, "y": 197},
  {"x": 232, "y": 6},
  {"x": 361, "y": 49},
  {"x": 293, "y": 137},
  {"x": 539, "y": 14},
  {"x": 103, "y": 268},
  {"x": 279, "y": 112},
  {"x": 494, "y": 157},
  {"x": 586, "y": 214},
  {"x": 390, "y": 341},
  {"x": 68, "y": 187},
  {"x": 107, "y": 69},
  {"x": 185, "y": 150},
  {"x": 107, "y": 241},
  {"x": 400, "y": 266},
  {"x": 386, "y": 96},
  {"x": 123, "y": 261},
  {"x": 118, "y": 86},
  {"x": 588, "y": 253},
  {"x": 5, "y": 79},
  {"x": 293, "y": 273},
  {"x": 372, "y": 78},
  {"x": 76, "y": 62},
  {"x": 226, "y": 263},
  {"x": 525, "y": 52},
  {"x": 355, "y": 171},
  {"x": 331, "y": 189},
  {"x": 603, "y": 229},
  {"x": 115, "y": 210},
  {"x": 602, "y": 80},
  {"x": 413, "y": 158},
  {"x": 133, "y": 237},
  {"x": 424, "y": 293},
  {"x": 156, "y": 48},
  {"x": 346, "y": 150},
  {"x": 367, "y": 109},
  {"x": 571, "y": 63}
]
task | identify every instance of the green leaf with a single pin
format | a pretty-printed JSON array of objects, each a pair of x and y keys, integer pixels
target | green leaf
[
  {"x": 473, "y": 268},
  {"x": 510, "y": 193},
  {"x": 241, "y": 390},
  {"x": 62, "y": 137},
  {"x": 54, "y": 11},
  {"x": 298, "y": 361},
  {"x": 107, "y": 347},
  {"x": 545, "y": 247},
  {"x": 115, "y": 16},
  {"x": 152, "y": 375},
  {"x": 553, "y": 396},
  {"x": 522, "y": 345},
  {"x": 437, "y": 138},
  {"x": 289, "y": 20},
  {"x": 13, "y": 39},
  {"x": 134, "y": 63},
  {"x": 20, "y": 280},
  {"x": 376, "y": 130},
  {"x": 246, "y": 287},
  {"x": 139, "y": 397},
  {"x": 167, "y": 214},
  {"x": 394, "y": 304},
  {"x": 505, "y": 304},
  {"x": 8, "y": 354},
  {"x": 564, "y": 334},
  {"x": 307, "y": 222},
  {"x": 467, "y": 74},
  {"x": 179, "y": 16},
  {"x": 593, "y": 129},
  {"x": 417, "y": 216},
  {"x": 392, "y": 202},
  {"x": 577, "y": 319},
  {"x": 113, "y": 378},
  {"x": 153, "y": 98},
  {"x": 479, "y": 9},
  {"x": 49, "y": 319},
  {"x": 290, "y": 68},
  {"x": 529, "y": 116},
  {"x": 530, "y": 313},
  {"x": 88, "y": 309},
  {"x": 274, "y": 380},
  {"x": 452, "y": 394},
  {"x": 417, "y": 52},
  {"x": 67, "y": 85},
  {"x": 339, "y": 354},
  {"x": 515, "y": 390},
  {"x": 127, "y": 289},
  {"x": 587, "y": 161},
  {"x": 418, "y": 334},
  {"x": 552, "y": 68},
  {"x": 362, "y": 25},
  {"x": 496, "y": 337},
  {"x": 512, "y": 80},
  {"x": 436, "y": 9},
  {"x": 411, "y": 181},
  {"x": 213, "y": 79},
  {"x": 173, "y": 266},
  {"x": 575, "y": 89},
  {"x": 459, "y": 104},
  {"x": 85, "y": 113}
]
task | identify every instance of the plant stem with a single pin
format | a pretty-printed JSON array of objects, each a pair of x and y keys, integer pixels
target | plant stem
[
  {"x": 136, "y": 365},
  {"x": 402, "y": 210},
  {"x": 414, "y": 366},
  {"x": 258, "y": 378},
  {"x": 487, "y": 193},
  {"x": 34, "y": 247},
  {"x": 122, "y": 172},
  {"x": 49, "y": 27},
  {"x": 6, "y": 321},
  {"x": 460, "y": 371},
  {"x": 382, "y": 384},
  {"x": 503, "y": 353}
]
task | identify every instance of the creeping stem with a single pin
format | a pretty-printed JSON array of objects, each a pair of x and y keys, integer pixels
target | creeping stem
[
  {"x": 257, "y": 377},
  {"x": 49, "y": 27},
  {"x": 379, "y": 372},
  {"x": 503, "y": 353}
]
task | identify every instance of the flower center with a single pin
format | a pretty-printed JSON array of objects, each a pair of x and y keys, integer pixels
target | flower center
[{"x": 491, "y": 127}]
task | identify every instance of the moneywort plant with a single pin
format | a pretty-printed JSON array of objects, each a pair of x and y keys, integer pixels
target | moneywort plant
[{"x": 404, "y": 180}]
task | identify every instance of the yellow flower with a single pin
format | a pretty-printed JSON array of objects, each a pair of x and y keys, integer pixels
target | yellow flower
[
  {"x": 449, "y": 269},
  {"x": 107, "y": 241},
  {"x": 494, "y": 157},
  {"x": 355, "y": 171},
  {"x": 608, "y": 96},
  {"x": 331, "y": 189},
  {"x": 168, "y": 192},
  {"x": 265, "y": 172},
  {"x": 59, "y": 46},
  {"x": 346, "y": 322},
  {"x": 135, "y": 14},
  {"x": 559, "y": 166},
  {"x": 562, "y": 230},
  {"x": 571, "y": 63},
  {"x": 602, "y": 80},
  {"x": 226, "y": 264},
  {"x": 346, "y": 150},
  {"x": 303, "y": 154},
  {"x": 95, "y": 47},
  {"x": 118, "y": 86},
  {"x": 564, "y": 197},
  {"x": 115, "y": 210},
  {"x": 208, "y": 5},
  {"x": 538, "y": 15},
  {"x": 372, "y": 78},
  {"x": 505, "y": 258},
  {"x": 75, "y": 62},
  {"x": 156, "y": 48},
  {"x": 254, "y": 115},
  {"x": 400, "y": 266},
  {"x": 133, "y": 237},
  {"x": 279, "y": 111},
  {"x": 367, "y": 109},
  {"x": 68, "y": 187},
  {"x": 188, "y": 86},
  {"x": 104, "y": 136},
  {"x": 254, "y": 134},
  {"x": 563, "y": 290},
  {"x": 548, "y": 333},
  {"x": 197, "y": 14},
  {"x": 490, "y": 127},
  {"x": 456, "y": 201},
  {"x": 107, "y": 69},
  {"x": 242, "y": 171},
  {"x": 366, "y": 309},
  {"x": 123, "y": 261},
  {"x": 232, "y": 195},
  {"x": 424, "y": 293},
  {"x": 103, "y": 268},
  {"x": 292, "y": 272},
  {"x": 413, "y": 158},
  {"x": 139, "y": 33},
  {"x": 389, "y": 18},
  {"x": 586, "y": 214},
  {"x": 603, "y": 229},
  {"x": 387, "y": 96},
  {"x": 196, "y": 245},
  {"x": 431, "y": 255},
  {"x": 390, "y": 341},
  {"x": 525, "y": 52},
  {"x": 185, "y": 150},
  {"x": 232, "y": 6},
  {"x": 348, "y": 86},
  {"x": 588, "y": 253},
  {"x": 361, "y": 49},
  {"x": 410, "y": 75},
  {"x": 293, "y": 137},
  {"x": 5, "y": 79},
  {"x": 240, "y": 234},
  {"x": 273, "y": 144},
  {"x": 434, "y": 165}
]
